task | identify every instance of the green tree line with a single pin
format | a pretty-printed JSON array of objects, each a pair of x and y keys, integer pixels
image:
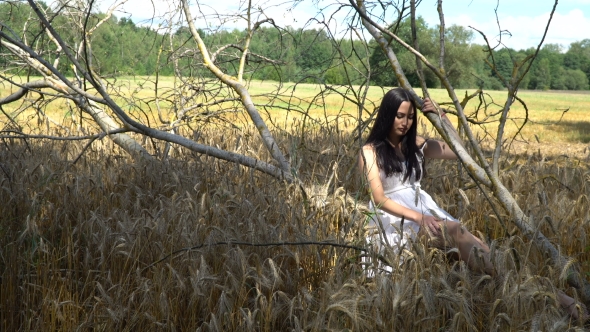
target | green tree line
[{"x": 120, "y": 47}]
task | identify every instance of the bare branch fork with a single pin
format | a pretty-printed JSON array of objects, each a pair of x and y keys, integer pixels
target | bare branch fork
[
  {"x": 482, "y": 172},
  {"x": 238, "y": 87},
  {"x": 69, "y": 91},
  {"x": 92, "y": 104}
]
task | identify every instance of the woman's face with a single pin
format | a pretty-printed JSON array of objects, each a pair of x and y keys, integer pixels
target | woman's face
[{"x": 403, "y": 120}]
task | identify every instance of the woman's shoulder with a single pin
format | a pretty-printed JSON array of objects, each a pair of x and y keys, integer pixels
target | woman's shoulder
[
  {"x": 369, "y": 147},
  {"x": 367, "y": 155},
  {"x": 421, "y": 141}
]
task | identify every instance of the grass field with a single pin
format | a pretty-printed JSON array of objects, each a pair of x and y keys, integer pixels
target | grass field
[
  {"x": 555, "y": 118},
  {"x": 82, "y": 240}
]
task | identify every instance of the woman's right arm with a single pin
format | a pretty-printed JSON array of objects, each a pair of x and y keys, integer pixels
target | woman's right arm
[
  {"x": 431, "y": 106},
  {"x": 368, "y": 166}
]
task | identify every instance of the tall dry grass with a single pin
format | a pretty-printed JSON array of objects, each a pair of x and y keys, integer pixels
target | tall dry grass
[{"x": 77, "y": 241}]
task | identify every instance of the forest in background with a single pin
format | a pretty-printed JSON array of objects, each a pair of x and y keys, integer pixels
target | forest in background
[{"x": 121, "y": 47}]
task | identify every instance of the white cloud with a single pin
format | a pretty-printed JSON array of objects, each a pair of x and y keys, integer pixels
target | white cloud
[
  {"x": 527, "y": 31},
  {"x": 573, "y": 26},
  {"x": 213, "y": 13},
  {"x": 564, "y": 29},
  {"x": 138, "y": 9}
]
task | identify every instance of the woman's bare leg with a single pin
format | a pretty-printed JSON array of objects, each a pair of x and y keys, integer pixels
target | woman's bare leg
[
  {"x": 569, "y": 304},
  {"x": 465, "y": 242}
]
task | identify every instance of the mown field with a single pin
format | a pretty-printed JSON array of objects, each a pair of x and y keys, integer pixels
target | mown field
[{"x": 192, "y": 243}]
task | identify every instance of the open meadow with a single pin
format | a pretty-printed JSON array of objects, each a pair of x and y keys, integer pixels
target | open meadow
[{"x": 97, "y": 241}]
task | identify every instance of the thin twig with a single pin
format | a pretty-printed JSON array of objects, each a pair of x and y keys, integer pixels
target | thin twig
[
  {"x": 82, "y": 152},
  {"x": 250, "y": 244},
  {"x": 20, "y": 135}
]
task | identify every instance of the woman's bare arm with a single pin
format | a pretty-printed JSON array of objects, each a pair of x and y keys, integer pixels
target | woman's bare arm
[{"x": 437, "y": 149}]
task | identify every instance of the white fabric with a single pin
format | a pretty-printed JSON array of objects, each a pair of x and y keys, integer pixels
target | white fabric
[{"x": 409, "y": 195}]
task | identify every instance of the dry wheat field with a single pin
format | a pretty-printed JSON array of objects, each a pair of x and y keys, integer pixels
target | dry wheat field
[{"x": 105, "y": 243}]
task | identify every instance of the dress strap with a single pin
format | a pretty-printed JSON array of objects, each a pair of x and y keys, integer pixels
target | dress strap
[{"x": 423, "y": 145}]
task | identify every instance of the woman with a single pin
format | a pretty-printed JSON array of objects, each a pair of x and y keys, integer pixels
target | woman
[{"x": 392, "y": 161}]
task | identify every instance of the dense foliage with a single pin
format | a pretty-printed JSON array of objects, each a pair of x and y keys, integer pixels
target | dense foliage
[{"x": 120, "y": 47}]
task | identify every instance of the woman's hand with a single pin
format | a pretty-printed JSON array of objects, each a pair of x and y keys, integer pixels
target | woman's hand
[
  {"x": 431, "y": 224},
  {"x": 428, "y": 106}
]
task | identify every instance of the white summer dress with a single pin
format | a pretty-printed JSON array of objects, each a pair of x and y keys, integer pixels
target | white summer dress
[{"x": 408, "y": 194}]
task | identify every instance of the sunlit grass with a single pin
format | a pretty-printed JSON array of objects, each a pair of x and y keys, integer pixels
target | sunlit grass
[{"x": 553, "y": 117}]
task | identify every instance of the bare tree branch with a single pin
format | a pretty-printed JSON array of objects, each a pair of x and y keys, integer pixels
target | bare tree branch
[
  {"x": 21, "y": 135},
  {"x": 265, "y": 134},
  {"x": 512, "y": 87}
]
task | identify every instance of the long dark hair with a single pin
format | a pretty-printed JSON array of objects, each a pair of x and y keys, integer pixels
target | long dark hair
[{"x": 387, "y": 158}]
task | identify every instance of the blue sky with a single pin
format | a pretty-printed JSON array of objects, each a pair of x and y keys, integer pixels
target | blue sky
[{"x": 525, "y": 19}]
